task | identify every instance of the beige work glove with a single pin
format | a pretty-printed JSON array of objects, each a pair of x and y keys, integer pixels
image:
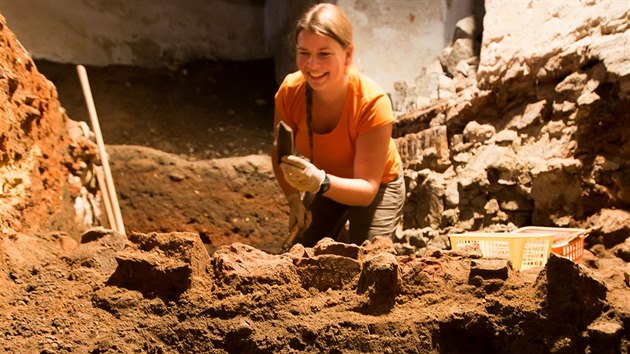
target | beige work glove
[
  {"x": 301, "y": 174},
  {"x": 298, "y": 214}
]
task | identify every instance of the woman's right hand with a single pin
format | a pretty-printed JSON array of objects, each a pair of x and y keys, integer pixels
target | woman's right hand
[{"x": 298, "y": 214}]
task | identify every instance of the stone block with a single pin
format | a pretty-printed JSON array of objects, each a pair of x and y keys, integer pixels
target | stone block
[
  {"x": 328, "y": 272},
  {"x": 379, "y": 280},
  {"x": 489, "y": 268},
  {"x": 161, "y": 265}
]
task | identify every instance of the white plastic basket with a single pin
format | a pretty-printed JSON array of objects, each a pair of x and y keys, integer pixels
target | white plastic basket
[{"x": 524, "y": 250}]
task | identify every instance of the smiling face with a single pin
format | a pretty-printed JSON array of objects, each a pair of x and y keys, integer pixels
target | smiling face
[{"x": 322, "y": 60}]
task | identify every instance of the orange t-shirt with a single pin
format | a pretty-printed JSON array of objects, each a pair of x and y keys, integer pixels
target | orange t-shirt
[{"x": 366, "y": 107}]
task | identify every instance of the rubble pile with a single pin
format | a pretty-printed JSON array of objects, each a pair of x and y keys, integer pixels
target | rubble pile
[
  {"x": 539, "y": 139},
  {"x": 34, "y": 144}
]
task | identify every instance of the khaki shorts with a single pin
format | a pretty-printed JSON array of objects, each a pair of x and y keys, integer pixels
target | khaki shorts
[{"x": 381, "y": 218}]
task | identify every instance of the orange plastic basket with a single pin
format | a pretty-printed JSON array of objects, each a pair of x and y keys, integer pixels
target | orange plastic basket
[
  {"x": 525, "y": 251},
  {"x": 567, "y": 242}
]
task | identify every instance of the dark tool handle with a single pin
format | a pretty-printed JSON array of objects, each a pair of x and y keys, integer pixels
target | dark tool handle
[{"x": 284, "y": 141}]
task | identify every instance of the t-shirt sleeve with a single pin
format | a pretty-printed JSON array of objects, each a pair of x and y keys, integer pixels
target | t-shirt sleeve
[
  {"x": 283, "y": 101},
  {"x": 280, "y": 100},
  {"x": 376, "y": 112}
]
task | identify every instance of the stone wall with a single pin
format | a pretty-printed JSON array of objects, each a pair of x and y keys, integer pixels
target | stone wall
[{"x": 541, "y": 139}]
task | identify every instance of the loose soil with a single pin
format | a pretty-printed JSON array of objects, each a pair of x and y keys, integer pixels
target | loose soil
[
  {"x": 199, "y": 269},
  {"x": 202, "y": 110},
  {"x": 189, "y": 119}
]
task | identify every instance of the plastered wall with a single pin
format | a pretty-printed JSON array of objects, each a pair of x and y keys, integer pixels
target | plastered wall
[
  {"x": 137, "y": 32},
  {"x": 395, "y": 39}
]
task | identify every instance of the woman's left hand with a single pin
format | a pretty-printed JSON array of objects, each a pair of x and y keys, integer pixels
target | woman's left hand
[{"x": 301, "y": 174}]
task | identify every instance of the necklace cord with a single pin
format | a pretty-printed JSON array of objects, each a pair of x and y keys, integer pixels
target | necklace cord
[{"x": 309, "y": 119}]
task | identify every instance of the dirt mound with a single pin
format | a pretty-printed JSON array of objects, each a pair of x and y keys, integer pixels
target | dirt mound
[
  {"x": 224, "y": 200},
  {"x": 164, "y": 293}
]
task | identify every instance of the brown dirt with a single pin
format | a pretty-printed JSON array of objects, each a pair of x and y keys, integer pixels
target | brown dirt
[
  {"x": 159, "y": 290},
  {"x": 202, "y": 110},
  {"x": 163, "y": 129}
]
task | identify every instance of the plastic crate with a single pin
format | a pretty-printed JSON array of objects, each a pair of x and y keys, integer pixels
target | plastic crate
[
  {"x": 525, "y": 251},
  {"x": 567, "y": 242}
]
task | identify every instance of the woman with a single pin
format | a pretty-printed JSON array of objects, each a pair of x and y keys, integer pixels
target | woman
[{"x": 342, "y": 120}]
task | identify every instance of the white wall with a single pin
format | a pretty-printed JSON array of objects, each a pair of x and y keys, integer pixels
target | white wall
[
  {"x": 137, "y": 32},
  {"x": 394, "y": 39}
]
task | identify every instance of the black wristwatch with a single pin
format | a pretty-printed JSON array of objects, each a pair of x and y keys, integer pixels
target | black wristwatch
[{"x": 325, "y": 186}]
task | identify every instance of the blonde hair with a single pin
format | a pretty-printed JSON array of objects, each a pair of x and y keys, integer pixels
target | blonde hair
[{"x": 327, "y": 20}]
